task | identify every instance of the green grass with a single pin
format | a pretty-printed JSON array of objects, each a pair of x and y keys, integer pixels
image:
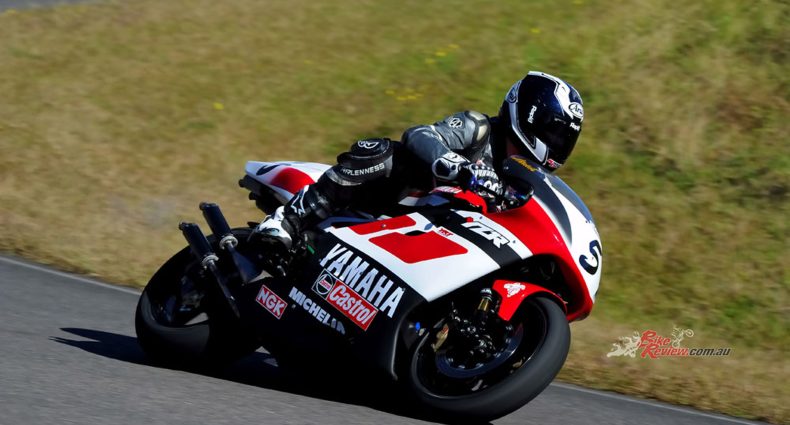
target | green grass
[{"x": 117, "y": 118}]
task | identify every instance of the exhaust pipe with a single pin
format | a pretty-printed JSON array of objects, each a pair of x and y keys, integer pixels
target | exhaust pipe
[
  {"x": 208, "y": 259},
  {"x": 219, "y": 226},
  {"x": 198, "y": 243}
]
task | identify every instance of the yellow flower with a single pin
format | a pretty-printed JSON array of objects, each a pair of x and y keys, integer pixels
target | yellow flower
[
  {"x": 535, "y": 30},
  {"x": 219, "y": 106},
  {"x": 401, "y": 98},
  {"x": 430, "y": 61},
  {"x": 441, "y": 53}
]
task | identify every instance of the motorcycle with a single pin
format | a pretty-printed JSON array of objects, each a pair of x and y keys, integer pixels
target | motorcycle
[{"x": 464, "y": 301}]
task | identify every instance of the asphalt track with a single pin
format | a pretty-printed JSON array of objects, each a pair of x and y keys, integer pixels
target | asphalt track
[{"x": 68, "y": 355}]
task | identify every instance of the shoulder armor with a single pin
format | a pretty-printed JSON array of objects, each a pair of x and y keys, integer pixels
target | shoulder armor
[{"x": 482, "y": 126}]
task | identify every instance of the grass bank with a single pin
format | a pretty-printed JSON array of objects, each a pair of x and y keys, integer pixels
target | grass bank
[{"x": 117, "y": 118}]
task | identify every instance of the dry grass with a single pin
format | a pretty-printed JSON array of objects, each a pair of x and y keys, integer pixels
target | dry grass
[
  {"x": 745, "y": 381},
  {"x": 117, "y": 118}
]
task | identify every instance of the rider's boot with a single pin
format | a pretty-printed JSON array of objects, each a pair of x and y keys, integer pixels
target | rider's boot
[
  {"x": 274, "y": 226},
  {"x": 367, "y": 160},
  {"x": 287, "y": 223}
]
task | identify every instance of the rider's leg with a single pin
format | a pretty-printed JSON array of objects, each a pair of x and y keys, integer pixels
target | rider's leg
[{"x": 366, "y": 161}]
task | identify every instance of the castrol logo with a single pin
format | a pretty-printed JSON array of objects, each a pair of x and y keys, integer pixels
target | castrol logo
[{"x": 352, "y": 305}]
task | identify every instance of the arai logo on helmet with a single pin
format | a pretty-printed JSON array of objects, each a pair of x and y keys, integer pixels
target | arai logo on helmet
[{"x": 577, "y": 110}]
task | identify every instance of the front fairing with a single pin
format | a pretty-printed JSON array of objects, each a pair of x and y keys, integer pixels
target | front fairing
[{"x": 575, "y": 228}]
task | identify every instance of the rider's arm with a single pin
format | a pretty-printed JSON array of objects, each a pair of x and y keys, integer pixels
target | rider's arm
[{"x": 446, "y": 145}]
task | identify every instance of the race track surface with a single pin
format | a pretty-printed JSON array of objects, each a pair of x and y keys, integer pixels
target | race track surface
[{"x": 68, "y": 354}]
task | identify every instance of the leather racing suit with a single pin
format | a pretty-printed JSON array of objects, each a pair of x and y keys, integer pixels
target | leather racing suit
[{"x": 377, "y": 171}]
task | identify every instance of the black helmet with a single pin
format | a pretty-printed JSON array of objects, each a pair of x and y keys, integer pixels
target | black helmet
[{"x": 543, "y": 115}]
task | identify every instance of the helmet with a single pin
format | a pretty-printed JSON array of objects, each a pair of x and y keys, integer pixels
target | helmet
[{"x": 543, "y": 116}]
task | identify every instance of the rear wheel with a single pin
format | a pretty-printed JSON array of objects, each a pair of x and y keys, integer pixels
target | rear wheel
[
  {"x": 479, "y": 373},
  {"x": 178, "y": 324}
]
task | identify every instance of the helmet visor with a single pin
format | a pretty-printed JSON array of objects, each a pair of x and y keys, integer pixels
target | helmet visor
[{"x": 561, "y": 136}]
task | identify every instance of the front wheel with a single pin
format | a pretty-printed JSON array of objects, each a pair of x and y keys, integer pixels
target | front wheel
[{"x": 497, "y": 371}]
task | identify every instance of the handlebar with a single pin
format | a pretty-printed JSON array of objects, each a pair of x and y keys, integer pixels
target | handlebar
[{"x": 511, "y": 198}]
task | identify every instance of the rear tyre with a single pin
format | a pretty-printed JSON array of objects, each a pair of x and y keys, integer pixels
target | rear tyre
[
  {"x": 530, "y": 354},
  {"x": 178, "y": 325}
]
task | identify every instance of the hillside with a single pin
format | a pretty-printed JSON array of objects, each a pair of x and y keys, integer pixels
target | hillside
[{"x": 118, "y": 118}]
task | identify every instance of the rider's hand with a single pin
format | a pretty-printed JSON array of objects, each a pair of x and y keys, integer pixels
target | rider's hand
[{"x": 481, "y": 179}]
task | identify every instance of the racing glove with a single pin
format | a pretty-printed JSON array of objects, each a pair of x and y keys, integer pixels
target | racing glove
[{"x": 481, "y": 179}]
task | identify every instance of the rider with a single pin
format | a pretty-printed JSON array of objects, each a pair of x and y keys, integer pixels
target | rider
[{"x": 540, "y": 118}]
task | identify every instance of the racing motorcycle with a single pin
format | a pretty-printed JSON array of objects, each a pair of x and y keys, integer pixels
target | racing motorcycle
[{"x": 464, "y": 301}]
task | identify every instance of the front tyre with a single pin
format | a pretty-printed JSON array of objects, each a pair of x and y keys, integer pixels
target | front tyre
[{"x": 522, "y": 360}]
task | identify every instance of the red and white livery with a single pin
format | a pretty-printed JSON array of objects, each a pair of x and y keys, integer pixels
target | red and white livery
[{"x": 468, "y": 303}]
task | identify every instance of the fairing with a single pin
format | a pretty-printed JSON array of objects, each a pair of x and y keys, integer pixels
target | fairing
[
  {"x": 557, "y": 223},
  {"x": 285, "y": 178},
  {"x": 437, "y": 254},
  {"x": 391, "y": 266}
]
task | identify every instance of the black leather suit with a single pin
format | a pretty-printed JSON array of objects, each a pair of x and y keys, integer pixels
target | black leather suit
[{"x": 377, "y": 171}]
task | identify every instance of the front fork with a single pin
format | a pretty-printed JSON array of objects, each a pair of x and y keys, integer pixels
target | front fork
[{"x": 474, "y": 333}]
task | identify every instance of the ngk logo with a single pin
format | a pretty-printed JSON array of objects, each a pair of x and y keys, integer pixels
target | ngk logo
[
  {"x": 271, "y": 302},
  {"x": 352, "y": 305}
]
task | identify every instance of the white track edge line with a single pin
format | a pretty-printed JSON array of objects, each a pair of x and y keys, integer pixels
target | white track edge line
[
  {"x": 687, "y": 410},
  {"x": 68, "y": 275}
]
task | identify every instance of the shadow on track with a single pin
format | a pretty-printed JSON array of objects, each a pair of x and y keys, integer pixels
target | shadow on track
[
  {"x": 260, "y": 370},
  {"x": 106, "y": 344}
]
